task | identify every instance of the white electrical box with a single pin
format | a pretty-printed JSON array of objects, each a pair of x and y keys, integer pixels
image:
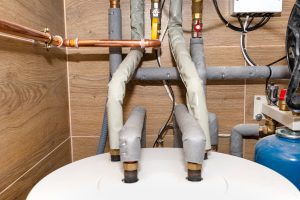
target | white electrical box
[{"x": 255, "y": 6}]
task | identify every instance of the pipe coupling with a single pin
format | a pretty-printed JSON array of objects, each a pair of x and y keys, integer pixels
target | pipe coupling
[
  {"x": 114, "y": 3},
  {"x": 269, "y": 128}
]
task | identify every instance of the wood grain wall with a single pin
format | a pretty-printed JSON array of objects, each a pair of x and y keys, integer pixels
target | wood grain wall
[
  {"x": 34, "y": 122},
  {"x": 230, "y": 100}
]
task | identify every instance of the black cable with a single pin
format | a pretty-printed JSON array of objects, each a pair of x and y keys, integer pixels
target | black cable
[
  {"x": 261, "y": 23},
  {"x": 167, "y": 125}
]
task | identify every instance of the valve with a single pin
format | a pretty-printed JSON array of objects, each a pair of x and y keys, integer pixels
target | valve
[{"x": 155, "y": 19}]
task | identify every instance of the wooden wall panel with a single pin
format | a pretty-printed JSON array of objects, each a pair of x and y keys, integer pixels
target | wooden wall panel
[
  {"x": 33, "y": 91},
  {"x": 229, "y": 99},
  {"x": 58, "y": 158}
]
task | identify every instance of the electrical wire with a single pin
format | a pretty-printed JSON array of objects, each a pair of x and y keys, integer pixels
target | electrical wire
[
  {"x": 163, "y": 130},
  {"x": 261, "y": 23},
  {"x": 170, "y": 91},
  {"x": 243, "y": 43}
]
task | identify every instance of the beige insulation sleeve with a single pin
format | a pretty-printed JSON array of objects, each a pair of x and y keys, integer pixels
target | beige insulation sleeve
[
  {"x": 196, "y": 100},
  {"x": 122, "y": 76}
]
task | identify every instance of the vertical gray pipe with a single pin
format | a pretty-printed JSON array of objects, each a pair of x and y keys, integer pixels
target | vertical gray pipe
[
  {"x": 115, "y": 58},
  {"x": 214, "y": 130},
  {"x": 115, "y": 33},
  {"x": 193, "y": 138},
  {"x": 198, "y": 57}
]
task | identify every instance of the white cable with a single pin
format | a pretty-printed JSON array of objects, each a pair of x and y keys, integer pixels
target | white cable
[
  {"x": 159, "y": 61},
  {"x": 241, "y": 42}
]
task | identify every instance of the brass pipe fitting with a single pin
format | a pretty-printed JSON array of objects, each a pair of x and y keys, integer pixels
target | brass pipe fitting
[
  {"x": 155, "y": 19},
  {"x": 115, "y": 155},
  {"x": 194, "y": 172},
  {"x": 130, "y": 172},
  {"x": 269, "y": 128},
  {"x": 114, "y": 3}
]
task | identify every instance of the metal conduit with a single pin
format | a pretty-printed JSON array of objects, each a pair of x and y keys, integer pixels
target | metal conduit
[{"x": 215, "y": 73}]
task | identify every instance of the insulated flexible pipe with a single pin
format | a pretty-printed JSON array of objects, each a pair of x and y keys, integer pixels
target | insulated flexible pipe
[
  {"x": 237, "y": 134},
  {"x": 193, "y": 140},
  {"x": 195, "y": 94},
  {"x": 125, "y": 71}
]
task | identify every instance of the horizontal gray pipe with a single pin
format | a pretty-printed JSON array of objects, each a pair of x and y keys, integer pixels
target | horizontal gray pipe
[
  {"x": 131, "y": 134},
  {"x": 215, "y": 73},
  {"x": 193, "y": 137},
  {"x": 237, "y": 134}
]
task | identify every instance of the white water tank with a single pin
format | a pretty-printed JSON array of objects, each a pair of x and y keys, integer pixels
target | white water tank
[{"x": 162, "y": 175}]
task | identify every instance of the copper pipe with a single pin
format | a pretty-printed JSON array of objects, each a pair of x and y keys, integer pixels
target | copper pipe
[
  {"x": 112, "y": 43},
  {"x": 114, "y": 3},
  {"x": 25, "y": 32},
  {"x": 45, "y": 37}
]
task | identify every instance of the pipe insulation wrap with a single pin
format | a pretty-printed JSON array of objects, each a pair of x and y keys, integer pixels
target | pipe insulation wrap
[
  {"x": 213, "y": 128},
  {"x": 125, "y": 71},
  {"x": 193, "y": 137},
  {"x": 131, "y": 134},
  {"x": 237, "y": 134},
  {"x": 195, "y": 94}
]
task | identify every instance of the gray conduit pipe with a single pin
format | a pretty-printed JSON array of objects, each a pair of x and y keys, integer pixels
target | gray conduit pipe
[
  {"x": 193, "y": 137},
  {"x": 131, "y": 134},
  {"x": 196, "y": 101},
  {"x": 198, "y": 57},
  {"x": 193, "y": 140},
  {"x": 115, "y": 59},
  {"x": 215, "y": 73},
  {"x": 214, "y": 130},
  {"x": 125, "y": 71},
  {"x": 237, "y": 134}
]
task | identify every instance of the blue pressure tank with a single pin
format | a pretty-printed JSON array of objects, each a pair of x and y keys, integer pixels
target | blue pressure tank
[{"x": 281, "y": 152}]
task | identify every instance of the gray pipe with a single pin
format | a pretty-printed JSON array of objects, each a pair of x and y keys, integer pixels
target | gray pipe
[
  {"x": 237, "y": 134},
  {"x": 115, "y": 59},
  {"x": 115, "y": 33},
  {"x": 215, "y": 73},
  {"x": 198, "y": 57},
  {"x": 131, "y": 134},
  {"x": 193, "y": 137},
  {"x": 214, "y": 130}
]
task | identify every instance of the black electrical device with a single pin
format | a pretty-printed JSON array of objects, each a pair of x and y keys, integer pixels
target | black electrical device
[{"x": 293, "y": 52}]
